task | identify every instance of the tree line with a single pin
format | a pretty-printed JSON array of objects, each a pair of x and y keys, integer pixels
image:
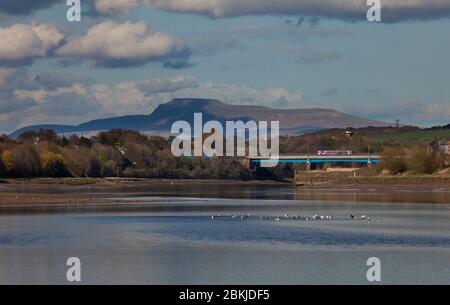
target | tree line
[
  {"x": 116, "y": 153},
  {"x": 130, "y": 154}
]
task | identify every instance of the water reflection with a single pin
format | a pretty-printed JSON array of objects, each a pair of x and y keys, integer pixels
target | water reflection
[{"x": 178, "y": 242}]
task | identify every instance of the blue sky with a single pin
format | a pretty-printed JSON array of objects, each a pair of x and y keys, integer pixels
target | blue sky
[{"x": 291, "y": 56}]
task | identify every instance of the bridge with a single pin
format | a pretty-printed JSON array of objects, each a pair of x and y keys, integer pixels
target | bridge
[{"x": 368, "y": 159}]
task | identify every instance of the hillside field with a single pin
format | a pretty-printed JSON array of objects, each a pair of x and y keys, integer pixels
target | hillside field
[{"x": 421, "y": 136}]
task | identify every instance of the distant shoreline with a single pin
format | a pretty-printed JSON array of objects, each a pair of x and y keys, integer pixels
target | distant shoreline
[
  {"x": 431, "y": 183},
  {"x": 35, "y": 192},
  {"x": 320, "y": 182},
  {"x": 127, "y": 181},
  {"x": 101, "y": 192}
]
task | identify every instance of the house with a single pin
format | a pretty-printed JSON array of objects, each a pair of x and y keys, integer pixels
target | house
[{"x": 445, "y": 148}]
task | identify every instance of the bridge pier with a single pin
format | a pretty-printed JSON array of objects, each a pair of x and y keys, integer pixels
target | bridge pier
[{"x": 308, "y": 166}]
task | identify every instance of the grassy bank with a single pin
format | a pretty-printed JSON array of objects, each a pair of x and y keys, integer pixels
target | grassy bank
[{"x": 422, "y": 183}]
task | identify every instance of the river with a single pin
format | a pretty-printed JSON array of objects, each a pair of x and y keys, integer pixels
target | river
[{"x": 230, "y": 234}]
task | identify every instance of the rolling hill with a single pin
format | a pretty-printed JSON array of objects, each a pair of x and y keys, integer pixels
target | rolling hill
[{"x": 292, "y": 121}]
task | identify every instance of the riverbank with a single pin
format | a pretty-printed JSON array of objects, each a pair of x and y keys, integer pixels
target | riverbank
[
  {"x": 126, "y": 181},
  {"x": 95, "y": 191},
  {"x": 432, "y": 183},
  {"x": 22, "y": 200},
  {"x": 117, "y": 192}
]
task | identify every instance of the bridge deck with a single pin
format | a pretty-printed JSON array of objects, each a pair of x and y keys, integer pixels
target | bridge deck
[{"x": 318, "y": 159}]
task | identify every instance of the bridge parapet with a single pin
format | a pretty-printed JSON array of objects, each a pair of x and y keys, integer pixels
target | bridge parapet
[{"x": 368, "y": 159}]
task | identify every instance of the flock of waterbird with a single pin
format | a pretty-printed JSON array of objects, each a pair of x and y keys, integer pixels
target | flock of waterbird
[{"x": 294, "y": 217}]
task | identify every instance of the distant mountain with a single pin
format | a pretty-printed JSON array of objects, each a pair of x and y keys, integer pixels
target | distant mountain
[{"x": 292, "y": 121}]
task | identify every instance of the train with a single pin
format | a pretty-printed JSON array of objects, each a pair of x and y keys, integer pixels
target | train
[{"x": 335, "y": 153}]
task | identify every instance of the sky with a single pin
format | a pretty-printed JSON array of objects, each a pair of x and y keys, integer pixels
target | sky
[{"x": 129, "y": 56}]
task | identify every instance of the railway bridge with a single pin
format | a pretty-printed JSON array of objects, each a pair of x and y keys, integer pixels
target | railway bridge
[{"x": 309, "y": 160}]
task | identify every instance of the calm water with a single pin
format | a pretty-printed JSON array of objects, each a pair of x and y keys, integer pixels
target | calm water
[{"x": 180, "y": 243}]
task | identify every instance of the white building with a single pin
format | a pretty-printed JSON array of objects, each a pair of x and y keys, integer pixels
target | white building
[{"x": 446, "y": 148}]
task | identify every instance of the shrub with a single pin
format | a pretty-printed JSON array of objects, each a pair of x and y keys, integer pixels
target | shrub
[
  {"x": 109, "y": 169},
  {"x": 394, "y": 161},
  {"x": 423, "y": 161}
]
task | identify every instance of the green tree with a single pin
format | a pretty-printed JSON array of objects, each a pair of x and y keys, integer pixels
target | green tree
[
  {"x": 53, "y": 165},
  {"x": 95, "y": 168},
  {"x": 109, "y": 169},
  {"x": 64, "y": 142},
  {"x": 28, "y": 136}
]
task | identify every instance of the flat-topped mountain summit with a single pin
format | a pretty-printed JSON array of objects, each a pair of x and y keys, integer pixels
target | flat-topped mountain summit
[{"x": 292, "y": 121}]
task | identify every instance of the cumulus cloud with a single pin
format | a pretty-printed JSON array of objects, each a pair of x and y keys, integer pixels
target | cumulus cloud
[
  {"x": 28, "y": 100},
  {"x": 245, "y": 95},
  {"x": 10, "y": 79},
  {"x": 22, "y": 43},
  {"x": 151, "y": 87},
  {"x": 349, "y": 10},
  {"x": 393, "y": 10},
  {"x": 23, "y": 7},
  {"x": 48, "y": 97},
  {"x": 112, "y": 44}
]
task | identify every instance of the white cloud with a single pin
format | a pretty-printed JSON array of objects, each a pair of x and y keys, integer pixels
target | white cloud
[
  {"x": 25, "y": 100},
  {"x": 21, "y": 43},
  {"x": 125, "y": 44},
  {"x": 245, "y": 95},
  {"x": 393, "y": 10},
  {"x": 30, "y": 101}
]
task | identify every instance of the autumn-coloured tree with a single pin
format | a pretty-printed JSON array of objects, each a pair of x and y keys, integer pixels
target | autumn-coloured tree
[
  {"x": 53, "y": 165},
  {"x": 422, "y": 160},
  {"x": 7, "y": 160}
]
